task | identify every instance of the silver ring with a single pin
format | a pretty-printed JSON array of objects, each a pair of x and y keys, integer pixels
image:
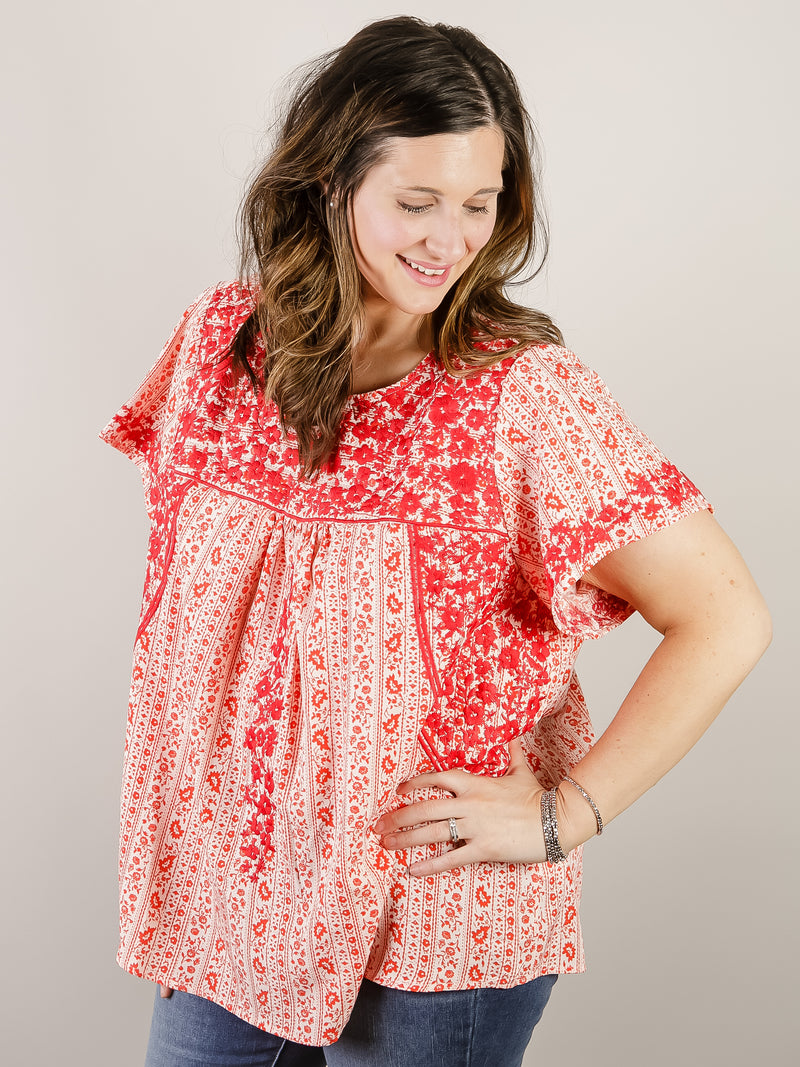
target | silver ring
[{"x": 453, "y": 831}]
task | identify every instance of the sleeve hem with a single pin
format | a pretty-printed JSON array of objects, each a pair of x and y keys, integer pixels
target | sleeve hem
[{"x": 583, "y": 609}]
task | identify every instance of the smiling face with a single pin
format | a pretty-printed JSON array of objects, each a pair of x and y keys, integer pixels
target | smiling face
[{"x": 421, "y": 216}]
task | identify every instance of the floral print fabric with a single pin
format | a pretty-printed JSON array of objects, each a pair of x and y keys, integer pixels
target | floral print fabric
[{"x": 306, "y": 645}]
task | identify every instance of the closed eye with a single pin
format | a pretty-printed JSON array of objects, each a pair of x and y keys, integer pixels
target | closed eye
[{"x": 418, "y": 209}]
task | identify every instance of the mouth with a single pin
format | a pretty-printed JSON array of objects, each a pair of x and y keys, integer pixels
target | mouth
[{"x": 424, "y": 273}]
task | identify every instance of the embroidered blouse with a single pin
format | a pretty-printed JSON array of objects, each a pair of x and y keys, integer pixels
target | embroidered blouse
[{"x": 305, "y": 645}]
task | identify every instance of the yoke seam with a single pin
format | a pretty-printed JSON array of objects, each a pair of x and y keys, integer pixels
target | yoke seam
[{"x": 395, "y": 521}]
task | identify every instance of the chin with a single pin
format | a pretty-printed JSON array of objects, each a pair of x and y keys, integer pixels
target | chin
[
  {"x": 421, "y": 307},
  {"x": 422, "y": 303}
]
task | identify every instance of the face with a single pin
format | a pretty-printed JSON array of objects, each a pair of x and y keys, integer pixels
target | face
[{"x": 422, "y": 215}]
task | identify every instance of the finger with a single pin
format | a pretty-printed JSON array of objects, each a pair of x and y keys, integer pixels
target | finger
[
  {"x": 423, "y": 811},
  {"x": 448, "y": 861},
  {"x": 452, "y": 781},
  {"x": 432, "y": 833},
  {"x": 165, "y": 991}
]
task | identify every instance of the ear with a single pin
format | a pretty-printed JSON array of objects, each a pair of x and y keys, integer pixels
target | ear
[{"x": 329, "y": 192}]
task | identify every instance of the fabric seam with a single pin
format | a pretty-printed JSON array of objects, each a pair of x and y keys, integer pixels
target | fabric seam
[{"x": 411, "y": 523}]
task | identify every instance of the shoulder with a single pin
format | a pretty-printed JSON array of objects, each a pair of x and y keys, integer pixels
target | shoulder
[
  {"x": 549, "y": 376},
  {"x": 532, "y": 361},
  {"x": 549, "y": 363},
  {"x": 226, "y": 304},
  {"x": 550, "y": 395},
  {"x": 211, "y": 322}
]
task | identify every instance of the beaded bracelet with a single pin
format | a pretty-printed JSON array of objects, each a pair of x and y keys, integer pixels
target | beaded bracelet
[{"x": 592, "y": 804}]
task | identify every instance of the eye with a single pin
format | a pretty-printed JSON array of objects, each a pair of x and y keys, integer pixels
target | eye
[
  {"x": 473, "y": 210},
  {"x": 413, "y": 209}
]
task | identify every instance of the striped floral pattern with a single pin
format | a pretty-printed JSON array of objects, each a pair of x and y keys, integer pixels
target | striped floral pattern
[{"x": 305, "y": 646}]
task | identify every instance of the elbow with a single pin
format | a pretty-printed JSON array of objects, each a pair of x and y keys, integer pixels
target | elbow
[
  {"x": 735, "y": 638},
  {"x": 762, "y": 630},
  {"x": 753, "y": 629}
]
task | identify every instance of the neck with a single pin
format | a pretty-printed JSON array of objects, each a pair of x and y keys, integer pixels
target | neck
[{"x": 393, "y": 344}]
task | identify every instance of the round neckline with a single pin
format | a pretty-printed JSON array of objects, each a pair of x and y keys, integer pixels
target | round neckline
[{"x": 427, "y": 366}]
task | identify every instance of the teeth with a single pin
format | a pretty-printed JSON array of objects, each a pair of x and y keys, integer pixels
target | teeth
[{"x": 423, "y": 270}]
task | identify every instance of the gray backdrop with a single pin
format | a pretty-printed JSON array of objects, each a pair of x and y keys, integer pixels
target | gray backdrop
[{"x": 670, "y": 134}]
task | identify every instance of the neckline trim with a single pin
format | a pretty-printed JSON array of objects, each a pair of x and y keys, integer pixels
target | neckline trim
[{"x": 428, "y": 367}]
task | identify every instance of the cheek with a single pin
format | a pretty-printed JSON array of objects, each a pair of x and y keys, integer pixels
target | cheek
[
  {"x": 481, "y": 235},
  {"x": 380, "y": 234},
  {"x": 391, "y": 235}
]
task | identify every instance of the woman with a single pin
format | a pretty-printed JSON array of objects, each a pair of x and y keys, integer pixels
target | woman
[{"x": 388, "y": 506}]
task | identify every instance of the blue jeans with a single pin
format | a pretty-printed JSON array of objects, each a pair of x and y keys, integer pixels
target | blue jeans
[{"x": 388, "y": 1028}]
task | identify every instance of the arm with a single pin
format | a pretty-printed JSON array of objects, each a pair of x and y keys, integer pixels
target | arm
[{"x": 691, "y": 584}]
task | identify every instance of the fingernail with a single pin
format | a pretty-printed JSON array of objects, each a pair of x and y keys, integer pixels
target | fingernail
[{"x": 378, "y": 827}]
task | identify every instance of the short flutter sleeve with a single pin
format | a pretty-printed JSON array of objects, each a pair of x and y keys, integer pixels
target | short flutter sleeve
[
  {"x": 144, "y": 427},
  {"x": 577, "y": 480}
]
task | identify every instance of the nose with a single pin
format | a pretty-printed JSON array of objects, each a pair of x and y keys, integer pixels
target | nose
[{"x": 446, "y": 242}]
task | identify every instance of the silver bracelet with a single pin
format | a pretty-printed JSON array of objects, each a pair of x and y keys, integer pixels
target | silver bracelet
[
  {"x": 550, "y": 828},
  {"x": 585, "y": 795}
]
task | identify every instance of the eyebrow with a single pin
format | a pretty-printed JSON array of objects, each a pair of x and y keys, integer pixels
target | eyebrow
[{"x": 438, "y": 192}]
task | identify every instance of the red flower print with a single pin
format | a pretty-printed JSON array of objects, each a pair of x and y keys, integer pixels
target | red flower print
[
  {"x": 476, "y": 418},
  {"x": 488, "y": 692},
  {"x": 445, "y": 412},
  {"x": 462, "y": 477},
  {"x": 473, "y": 713},
  {"x": 509, "y": 657},
  {"x": 452, "y": 617}
]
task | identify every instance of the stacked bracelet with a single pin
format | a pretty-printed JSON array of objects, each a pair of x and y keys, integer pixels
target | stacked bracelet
[
  {"x": 585, "y": 795},
  {"x": 550, "y": 828},
  {"x": 555, "y": 854}
]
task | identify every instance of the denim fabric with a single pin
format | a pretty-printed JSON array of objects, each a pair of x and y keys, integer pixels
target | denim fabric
[
  {"x": 388, "y": 1028},
  {"x": 465, "y": 1028},
  {"x": 188, "y": 1031}
]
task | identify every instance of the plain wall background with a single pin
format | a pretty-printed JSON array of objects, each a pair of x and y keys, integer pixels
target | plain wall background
[{"x": 672, "y": 178}]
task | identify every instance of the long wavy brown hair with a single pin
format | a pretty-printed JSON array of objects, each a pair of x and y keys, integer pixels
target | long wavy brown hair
[{"x": 396, "y": 77}]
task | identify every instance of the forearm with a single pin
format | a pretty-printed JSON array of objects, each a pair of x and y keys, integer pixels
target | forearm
[
  {"x": 678, "y": 694},
  {"x": 691, "y": 585}
]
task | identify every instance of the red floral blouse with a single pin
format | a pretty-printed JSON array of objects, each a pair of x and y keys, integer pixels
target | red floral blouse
[{"x": 307, "y": 645}]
